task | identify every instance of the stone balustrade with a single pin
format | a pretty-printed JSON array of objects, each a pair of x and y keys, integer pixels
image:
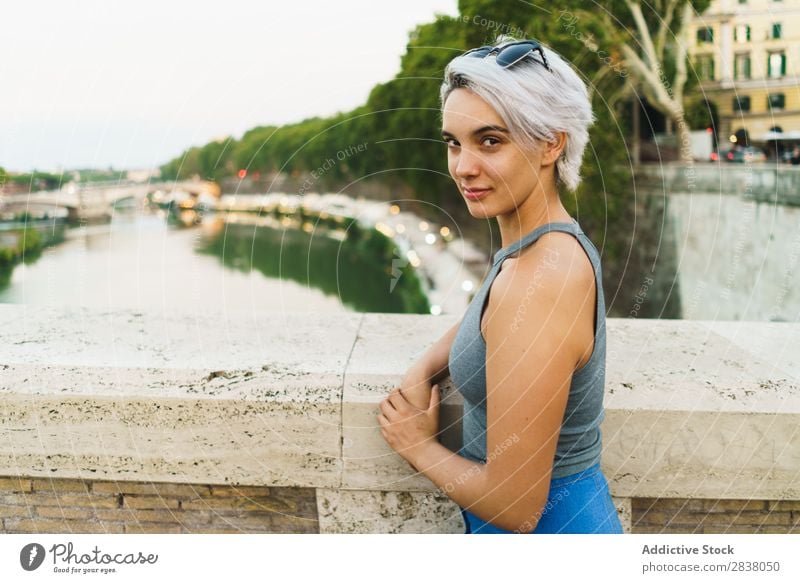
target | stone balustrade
[{"x": 695, "y": 412}]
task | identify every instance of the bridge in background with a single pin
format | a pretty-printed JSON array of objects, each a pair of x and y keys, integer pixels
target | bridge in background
[{"x": 95, "y": 202}]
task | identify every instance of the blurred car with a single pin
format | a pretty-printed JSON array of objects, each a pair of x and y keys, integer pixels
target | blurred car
[
  {"x": 791, "y": 155},
  {"x": 744, "y": 154}
]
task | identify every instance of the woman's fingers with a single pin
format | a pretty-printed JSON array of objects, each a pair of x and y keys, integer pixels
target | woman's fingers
[
  {"x": 398, "y": 401},
  {"x": 387, "y": 408}
]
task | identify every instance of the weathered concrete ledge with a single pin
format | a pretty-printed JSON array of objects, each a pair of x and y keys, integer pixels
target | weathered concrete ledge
[
  {"x": 694, "y": 409},
  {"x": 768, "y": 182}
]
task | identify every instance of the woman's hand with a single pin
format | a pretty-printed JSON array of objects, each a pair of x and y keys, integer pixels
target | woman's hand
[
  {"x": 416, "y": 387},
  {"x": 406, "y": 428}
]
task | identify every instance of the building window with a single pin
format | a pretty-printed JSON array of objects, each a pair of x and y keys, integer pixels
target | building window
[
  {"x": 776, "y": 65},
  {"x": 741, "y": 34},
  {"x": 705, "y": 67},
  {"x": 705, "y": 35},
  {"x": 776, "y": 30},
  {"x": 776, "y": 101},
  {"x": 741, "y": 103},
  {"x": 741, "y": 66}
]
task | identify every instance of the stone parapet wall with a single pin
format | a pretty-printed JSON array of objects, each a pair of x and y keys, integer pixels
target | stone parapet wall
[
  {"x": 776, "y": 184},
  {"x": 267, "y": 423}
]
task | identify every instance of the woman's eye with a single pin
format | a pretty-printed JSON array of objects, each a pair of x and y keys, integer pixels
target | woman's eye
[
  {"x": 451, "y": 143},
  {"x": 490, "y": 141}
]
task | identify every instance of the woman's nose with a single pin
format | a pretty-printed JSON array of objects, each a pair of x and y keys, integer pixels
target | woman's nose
[{"x": 468, "y": 163}]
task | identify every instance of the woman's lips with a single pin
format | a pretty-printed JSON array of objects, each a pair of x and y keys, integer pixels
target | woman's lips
[{"x": 475, "y": 193}]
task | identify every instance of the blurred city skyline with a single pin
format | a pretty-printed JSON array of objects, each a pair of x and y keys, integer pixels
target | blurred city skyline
[{"x": 133, "y": 84}]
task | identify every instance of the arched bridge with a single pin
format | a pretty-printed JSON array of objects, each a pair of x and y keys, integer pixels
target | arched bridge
[{"x": 95, "y": 201}]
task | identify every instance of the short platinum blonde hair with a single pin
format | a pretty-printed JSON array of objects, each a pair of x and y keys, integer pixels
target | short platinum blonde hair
[{"x": 535, "y": 103}]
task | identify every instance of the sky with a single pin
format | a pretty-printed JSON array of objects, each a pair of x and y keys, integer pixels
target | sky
[{"x": 131, "y": 84}]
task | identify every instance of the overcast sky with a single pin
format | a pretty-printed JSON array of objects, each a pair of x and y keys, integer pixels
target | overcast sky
[{"x": 133, "y": 83}]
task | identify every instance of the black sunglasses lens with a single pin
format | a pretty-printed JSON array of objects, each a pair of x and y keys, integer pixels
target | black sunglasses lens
[
  {"x": 510, "y": 54},
  {"x": 480, "y": 52},
  {"x": 513, "y": 54}
]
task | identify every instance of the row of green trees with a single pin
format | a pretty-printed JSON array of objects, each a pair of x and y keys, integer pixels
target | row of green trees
[
  {"x": 37, "y": 180},
  {"x": 31, "y": 180},
  {"x": 625, "y": 50},
  {"x": 28, "y": 248}
]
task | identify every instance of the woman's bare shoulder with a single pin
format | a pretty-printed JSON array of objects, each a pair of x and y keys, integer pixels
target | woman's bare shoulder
[
  {"x": 543, "y": 293},
  {"x": 556, "y": 263}
]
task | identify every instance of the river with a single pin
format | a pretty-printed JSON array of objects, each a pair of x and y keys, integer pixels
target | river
[{"x": 224, "y": 263}]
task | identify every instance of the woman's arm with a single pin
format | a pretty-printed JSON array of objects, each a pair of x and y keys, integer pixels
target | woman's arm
[
  {"x": 431, "y": 368},
  {"x": 529, "y": 367}
]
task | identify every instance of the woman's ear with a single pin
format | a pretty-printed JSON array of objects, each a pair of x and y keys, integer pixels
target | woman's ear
[{"x": 553, "y": 150}]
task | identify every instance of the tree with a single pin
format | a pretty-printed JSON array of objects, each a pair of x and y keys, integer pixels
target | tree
[{"x": 653, "y": 43}]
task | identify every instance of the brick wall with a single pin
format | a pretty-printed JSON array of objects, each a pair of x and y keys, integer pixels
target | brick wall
[
  {"x": 673, "y": 515},
  {"x": 41, "y": 505}
]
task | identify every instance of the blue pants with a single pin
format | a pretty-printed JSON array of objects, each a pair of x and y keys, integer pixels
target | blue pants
[{"x": 577, "y": 504}]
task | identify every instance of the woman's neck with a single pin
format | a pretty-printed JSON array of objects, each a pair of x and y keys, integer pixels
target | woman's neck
[{"x": 537, "y": 210}]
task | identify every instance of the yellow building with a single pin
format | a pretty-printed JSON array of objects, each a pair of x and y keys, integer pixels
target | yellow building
[{"x": 746, "y": 54}]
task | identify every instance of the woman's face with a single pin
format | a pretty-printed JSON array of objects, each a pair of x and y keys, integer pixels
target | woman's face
[{"x": 494, "y": 174}]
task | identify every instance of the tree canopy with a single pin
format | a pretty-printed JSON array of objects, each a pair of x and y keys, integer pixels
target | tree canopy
[{"x": 615, "y": 45}]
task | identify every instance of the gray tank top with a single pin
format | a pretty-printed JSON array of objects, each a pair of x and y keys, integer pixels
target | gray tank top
[{"x": 579, "y": 442}]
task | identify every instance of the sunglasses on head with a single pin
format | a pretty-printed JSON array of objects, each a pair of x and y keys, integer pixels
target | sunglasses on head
[{"x": 510, "y": 54}]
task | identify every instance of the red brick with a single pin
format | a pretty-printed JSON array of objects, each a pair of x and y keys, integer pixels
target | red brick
[
  {"x": 652, "y": 529},
  {"x": 194, "y": 517},
  {"x": 731, "y": 529},
  {"x": 12, "y": 511},
  {"x": 64, "y": 512},
  {"x": 265, "y": 503},
  {"x": 665, "y": 518},
  {"x": 152, "y": 489},
  {"x": 784, "y": 505},
  {"x": 733, "y": 505},
  {"x": 44, "y": 526},
  {"x": 15, "y": 485},
  {"x": 216, "y": 530},
  {"x": 45, "y": 486},
  {"x": 298, "y": 524},
  {"x": 157, "y": 502},
  {"x": 749, "y": 518},
  {"x": 137, "y": 515},
  {"x": 151, "y": 528},
  {"x": 248, "y": 491},
  {"x": 252, "y": 520},
  {"x": 77, "y": 500}
]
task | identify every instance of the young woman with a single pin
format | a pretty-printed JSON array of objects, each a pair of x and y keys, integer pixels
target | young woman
[{"x": 529, "y": 354}]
